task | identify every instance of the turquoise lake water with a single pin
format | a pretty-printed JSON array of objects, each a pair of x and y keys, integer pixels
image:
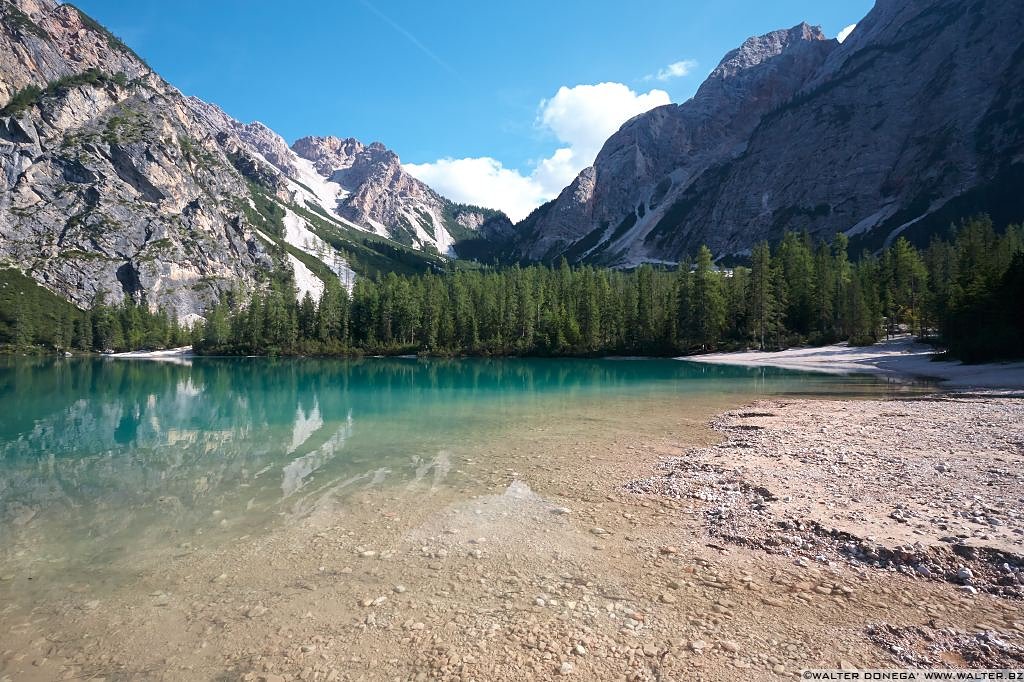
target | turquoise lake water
[{"x": 103, "y": 459}]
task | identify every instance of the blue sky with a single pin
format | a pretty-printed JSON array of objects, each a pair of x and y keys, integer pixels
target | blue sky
[{"x": 452, "y": 79}]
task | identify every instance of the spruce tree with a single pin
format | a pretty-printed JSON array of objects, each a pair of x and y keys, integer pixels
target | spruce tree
[
  {"x": 763, "y": 305},
  {"x": 707, "y": 303}
]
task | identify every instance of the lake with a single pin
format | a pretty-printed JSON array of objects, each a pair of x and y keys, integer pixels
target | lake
[{"x": 113, "y": 470}]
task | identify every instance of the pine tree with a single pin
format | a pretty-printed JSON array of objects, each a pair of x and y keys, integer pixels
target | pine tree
[
  {"x": 82, "y": 337},
  {"x": 707, "y": 304},
  {"x": 24, "y": 333},
  {"x": 217, "y": 330},
  {"x": 645, "y": 317},
  {"x": 797, "y": 261},
  {"x": 840, "y": 282},
  {"x": 765, "y": 311},
  {"x": 684, "y": 304},
  {"x": 824, "y": 294},
  {"x": 307, "y": 317}
]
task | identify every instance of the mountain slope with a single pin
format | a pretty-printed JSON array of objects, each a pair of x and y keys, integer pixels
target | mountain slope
[
  {"x": 642, "y": 168},
  {"x": 367, "y": 186},
  {"x": 113, "y": 184},
  {"x": 363, "y": 187},
  {"x": 915, "y": 119}
]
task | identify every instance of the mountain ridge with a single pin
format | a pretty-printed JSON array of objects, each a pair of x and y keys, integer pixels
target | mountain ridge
[
  {"x": 116, "y": 185},
  {"x": 938, "y": 139}
]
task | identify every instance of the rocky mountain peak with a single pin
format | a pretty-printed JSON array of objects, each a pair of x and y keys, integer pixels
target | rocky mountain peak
[
  {"x": 764, "y": 66},
  {"x": 331, "y": 154},
  {"x": 890, "y": 133},
  {"x": 603, "y": 214},
  {"x": 757, "y": 49},
  {"x": 375, "y": 191}
]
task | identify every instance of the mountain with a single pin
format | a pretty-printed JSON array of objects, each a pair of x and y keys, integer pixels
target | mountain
[
  {"x": 915, "y": 120},
  {"x": 114, "y": 184},
  {"x": 374, "y": 190},
  {"x": 363, "y": 186}
]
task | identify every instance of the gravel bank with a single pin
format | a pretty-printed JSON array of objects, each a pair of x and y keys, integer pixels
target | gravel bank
[{"x": 931, "y": 487}]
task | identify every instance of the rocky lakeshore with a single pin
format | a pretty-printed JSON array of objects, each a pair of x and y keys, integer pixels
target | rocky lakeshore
[
  {"x": 930, "y": 487},
  {"x": 831, "y": 533}
]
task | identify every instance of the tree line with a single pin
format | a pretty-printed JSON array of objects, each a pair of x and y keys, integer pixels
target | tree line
[
  {"x": 33, "y": 318},
  {"x": 967, "y": 291}
]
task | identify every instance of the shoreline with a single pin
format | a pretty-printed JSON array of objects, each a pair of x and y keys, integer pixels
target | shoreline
[
  {"x": 899, "y": 357},
  {"x": 875, "y": 472}
]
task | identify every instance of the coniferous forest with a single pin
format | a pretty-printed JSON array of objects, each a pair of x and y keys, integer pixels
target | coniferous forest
[{"x": 967, "y": 292}]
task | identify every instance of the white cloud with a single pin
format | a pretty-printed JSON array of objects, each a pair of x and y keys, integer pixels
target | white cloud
[
  {"x": 845, "y": 33},
  {"x": 673, "y": 70},
  {"x": 581, "y": 118},
  {"x": 585, "y": 116},
  {"x": 482, "y": 181}
]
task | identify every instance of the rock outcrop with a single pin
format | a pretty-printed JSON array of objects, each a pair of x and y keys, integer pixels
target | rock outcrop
[
  {"x": 912, "y": 121},
  {"x": 112, "y": 186}
]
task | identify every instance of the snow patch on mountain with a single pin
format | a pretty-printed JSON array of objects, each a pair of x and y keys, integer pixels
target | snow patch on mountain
[
  {"x": 325, "y": 192},
  {"x": 440, "y": 239},
  {"x": 305, "y": 281},
  {"x": 298, "y": 234}
]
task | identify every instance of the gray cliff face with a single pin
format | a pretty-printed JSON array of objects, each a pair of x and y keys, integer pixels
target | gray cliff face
[
  {"x": 917, "y": 115},
  {"x": 904, "y": 126},
  {"x": 113, "y": 186},
  {"x": 42, "y": 41}
]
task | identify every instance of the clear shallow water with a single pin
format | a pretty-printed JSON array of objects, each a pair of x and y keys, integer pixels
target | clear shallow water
[{"x": 104, "y": 461}]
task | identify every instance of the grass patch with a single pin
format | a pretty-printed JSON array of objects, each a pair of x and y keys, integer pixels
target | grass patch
[
  {"x": 263, "y": 213},
  {"x": 127, "y": 127}
]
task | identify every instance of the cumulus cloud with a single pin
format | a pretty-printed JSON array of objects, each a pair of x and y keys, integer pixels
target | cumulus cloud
[
  {"x": 584, "y": 116},
  {"x": 482, "y": 181},
  {"x": 673, "y": 70},
  {"x": 580, "y": 118},
  {"x": 845, "y": 33}
]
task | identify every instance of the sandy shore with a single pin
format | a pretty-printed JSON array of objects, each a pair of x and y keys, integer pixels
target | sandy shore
[
  {"x": 873, "y": 533},
  {"x": 898, "y": 357}
]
